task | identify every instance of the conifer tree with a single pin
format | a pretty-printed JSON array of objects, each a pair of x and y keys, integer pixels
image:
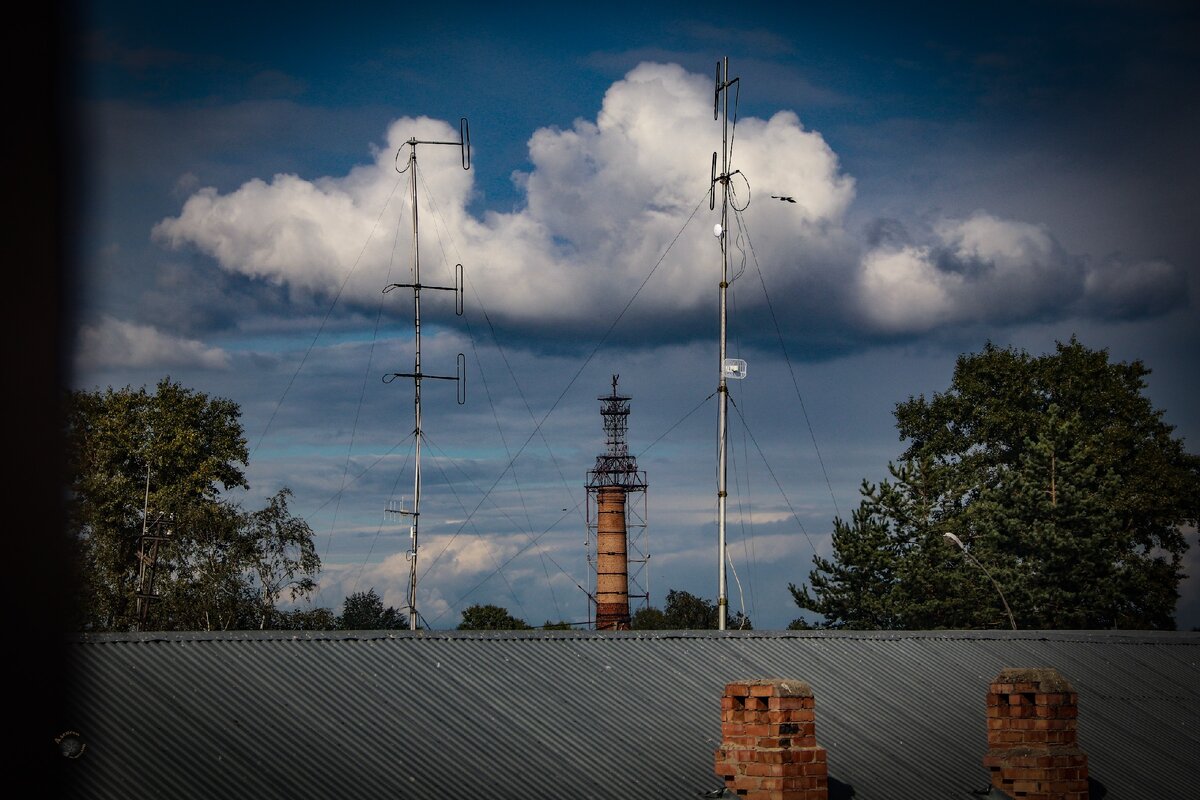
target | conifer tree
[{"x": 1068, "y": 492}]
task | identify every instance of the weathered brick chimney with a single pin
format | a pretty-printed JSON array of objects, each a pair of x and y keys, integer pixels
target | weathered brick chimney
[
  {"x": 1032, "y": 749},
  {"x": 768, "y": 742}
]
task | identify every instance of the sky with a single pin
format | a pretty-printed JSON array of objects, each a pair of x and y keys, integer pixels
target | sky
[{"x": 1015, "y": 173}]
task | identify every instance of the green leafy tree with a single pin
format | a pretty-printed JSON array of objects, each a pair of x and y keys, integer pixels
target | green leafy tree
[
  {"x": 157, "y": 463},
  {"x": 300, "y": 619},
  {"x": 490, "y": 618},
  {"x": 1067, "y": 490},
  {"x": 648, "y": 619},
  {"x": 364, "y": 611},
  {"x": 686, "y": 611},
  {"x": 232, "y": 568},
  {"x": 202, "y": 584},
  {"x": 561, "y": 625},
  {"x": 282, "y": 557},
  {"x": 171, "y": 451}
]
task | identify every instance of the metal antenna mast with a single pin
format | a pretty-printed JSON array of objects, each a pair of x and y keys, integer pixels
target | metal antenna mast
[
  {"x": 148, "y": 557},
  {"x": 728, "y": 367},
  {"x": 464, "y": 143}
]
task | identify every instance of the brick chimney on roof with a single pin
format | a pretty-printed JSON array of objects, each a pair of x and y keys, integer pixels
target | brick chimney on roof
[
  {"x": 1032, "y": 749},
  {"x": 768, "y": 742}
]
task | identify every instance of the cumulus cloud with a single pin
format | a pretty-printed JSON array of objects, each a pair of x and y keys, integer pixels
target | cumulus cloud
[
  {"x": 117, "y": 343},
  {"x": 980, "y": 269},
  {"x": 612, "y": 198},
  {"x": 987, "y": 269},
  {"x": 605, "y": 200}
]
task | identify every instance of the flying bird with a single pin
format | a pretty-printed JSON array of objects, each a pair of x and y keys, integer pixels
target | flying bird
[{"x": 784, "y": 199}]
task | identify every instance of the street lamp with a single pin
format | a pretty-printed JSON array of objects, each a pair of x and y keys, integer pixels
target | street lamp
[{"x": 950, "y": 537}]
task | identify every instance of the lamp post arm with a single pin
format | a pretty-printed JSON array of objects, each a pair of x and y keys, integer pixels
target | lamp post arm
[{"x": 1012, "y": 621}]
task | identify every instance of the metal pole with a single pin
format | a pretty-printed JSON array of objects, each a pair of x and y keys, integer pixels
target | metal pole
[
  {"x": 416, "y": 511},
  {"x": 416, "y": 374},
  {"x": 722, "y": 389}
]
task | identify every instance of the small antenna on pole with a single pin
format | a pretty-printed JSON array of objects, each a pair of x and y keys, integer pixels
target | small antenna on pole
[{"x": 460, "y": 377}]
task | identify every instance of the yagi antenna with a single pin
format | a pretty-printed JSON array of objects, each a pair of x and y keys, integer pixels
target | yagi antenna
[{"x": 417, "y": 375}]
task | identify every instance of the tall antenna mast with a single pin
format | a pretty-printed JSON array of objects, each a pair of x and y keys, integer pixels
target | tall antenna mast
[
  {"x": 464, "y": 143},
  {"x": 728, "y": 368}
]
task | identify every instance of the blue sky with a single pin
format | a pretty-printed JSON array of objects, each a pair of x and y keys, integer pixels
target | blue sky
[{"x": 1017, "y": 173}]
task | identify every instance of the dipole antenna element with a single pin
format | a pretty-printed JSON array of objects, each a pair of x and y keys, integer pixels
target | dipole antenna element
[{"x": 460, "y": 377}]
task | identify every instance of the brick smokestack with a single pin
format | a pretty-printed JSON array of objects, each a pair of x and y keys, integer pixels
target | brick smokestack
[
  {"x": 612, "y": 563},
  {"x": 769, "y": 745},
  {"x": 614, "y": 478},
  {"x": 1033, "y": 753}
]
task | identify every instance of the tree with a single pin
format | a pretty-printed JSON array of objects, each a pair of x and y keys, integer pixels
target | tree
[
  {"x": 1059, "y": 477},
  {"x": 685, "y": 611},
  {"x": 282, "y": 557},
  {"x": 364, "y": 611},
  {"x": 202, "y": 583},
  {"x": 891, "y": 566},
  {"x": 157, "y": 464},
  {"x": 299, "y": 619},
  {"x": 490, "y": 618},
  {"x": 648, "y": 619}
]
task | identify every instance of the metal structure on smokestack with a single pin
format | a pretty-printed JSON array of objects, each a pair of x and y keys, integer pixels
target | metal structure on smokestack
[
  {"x": 613, "y": 489},
  {"x": 417, "y": 375}
]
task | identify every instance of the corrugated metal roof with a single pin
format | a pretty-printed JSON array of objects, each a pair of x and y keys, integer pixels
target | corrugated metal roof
[{"x": 563, "y": 714}]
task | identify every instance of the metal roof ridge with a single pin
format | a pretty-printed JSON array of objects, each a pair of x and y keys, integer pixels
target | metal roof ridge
[{"x": 1106, "y": 636}]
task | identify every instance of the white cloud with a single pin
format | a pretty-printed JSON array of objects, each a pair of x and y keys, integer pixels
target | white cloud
[
  {"x": 116, "y": 343},
  {"x": 902, "y": 290},
  {"x": 605, "y": 200},
  {"x": 980, "y": 269},
  {"x": 992, "y": 270}
]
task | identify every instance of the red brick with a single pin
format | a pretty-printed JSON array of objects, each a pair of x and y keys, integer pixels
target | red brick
[{"x": 790, "y": 702}]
